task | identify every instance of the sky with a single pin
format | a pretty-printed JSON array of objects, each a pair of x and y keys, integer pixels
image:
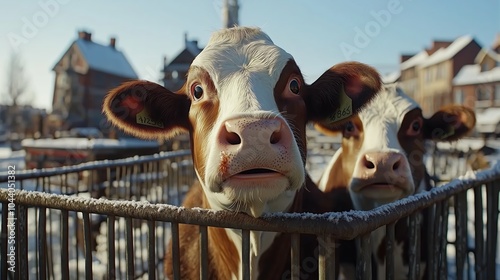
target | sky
[{"x": 319, "y": 34}]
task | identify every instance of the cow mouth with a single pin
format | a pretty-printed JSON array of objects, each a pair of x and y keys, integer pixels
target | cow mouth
[
  {"x": 256, "y": 173},
  {"x": 382, "y": 190}
]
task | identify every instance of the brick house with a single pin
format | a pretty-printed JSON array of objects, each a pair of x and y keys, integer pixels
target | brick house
[
  {"x": 478, "y": 86},
  {"x": 428, "y": 75},
  {"x": 84, "y": 74}
]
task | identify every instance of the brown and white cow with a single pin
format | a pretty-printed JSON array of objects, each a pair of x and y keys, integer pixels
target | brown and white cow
[
  {"x": 245, "y": 106},
  {"x": 381, "y": 160}
]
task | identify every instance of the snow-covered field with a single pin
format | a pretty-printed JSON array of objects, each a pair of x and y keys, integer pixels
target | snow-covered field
[{"x": 318, "y": 158}]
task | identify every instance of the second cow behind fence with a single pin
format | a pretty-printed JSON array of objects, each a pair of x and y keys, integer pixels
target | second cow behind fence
[
  {"x": 381, "y": 159},
  {"x": 245, "y": 106}
]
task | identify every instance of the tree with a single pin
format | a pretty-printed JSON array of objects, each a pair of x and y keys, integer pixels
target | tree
[{"x": 17, "y": 84}]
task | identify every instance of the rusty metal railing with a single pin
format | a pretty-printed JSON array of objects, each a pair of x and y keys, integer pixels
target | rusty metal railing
[{"x": 132, "y": 235}]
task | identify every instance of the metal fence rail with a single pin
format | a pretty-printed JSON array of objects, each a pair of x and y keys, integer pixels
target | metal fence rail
[{"x": 130, "y": 237}]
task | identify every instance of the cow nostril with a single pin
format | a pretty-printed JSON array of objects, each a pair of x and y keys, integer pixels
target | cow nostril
[
  {"x": 275, "y": 137},
  {"x": 396, "y": 165},
  {"x": 233, "y": 138},
  {"x": 369, "y": 164}
]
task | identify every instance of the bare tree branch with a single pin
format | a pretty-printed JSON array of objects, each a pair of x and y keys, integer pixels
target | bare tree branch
[{"x": 17, "y": 84}]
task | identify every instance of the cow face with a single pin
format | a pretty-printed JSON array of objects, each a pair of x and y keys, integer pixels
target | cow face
[
  {"x": 245, "y": 105},
  {"x": 381, "y": 157}
]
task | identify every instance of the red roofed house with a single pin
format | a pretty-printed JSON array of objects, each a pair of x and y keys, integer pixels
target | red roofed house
[{"x": 84, "y": 74}]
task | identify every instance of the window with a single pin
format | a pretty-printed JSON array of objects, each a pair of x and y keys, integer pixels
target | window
[
  {"x": 483, "y": 94},
  {"x": 497, "y": 93},
  {"x": 458, "y": 96}
]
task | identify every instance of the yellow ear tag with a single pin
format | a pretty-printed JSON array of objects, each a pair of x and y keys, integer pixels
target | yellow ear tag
[
  {"x": 143, "y": 118},
  {"x": 345, "y": 109}
]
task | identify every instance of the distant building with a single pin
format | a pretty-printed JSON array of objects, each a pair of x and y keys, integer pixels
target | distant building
[
  {"x": 175, "y": 71},
  {"x": 84, "y": 74},
  {"x": 428, "y": 75},
  {"x": 478, "y": 86}
]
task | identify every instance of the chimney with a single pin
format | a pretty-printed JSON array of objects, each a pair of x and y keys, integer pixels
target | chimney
[
  {"x": 112, "y": 42},
  {"x": 185, "y": 38},
  {"x": 405, "y": 57},
  {"x": 436, "y": 45},
  {"x": 85, "y": 35}
]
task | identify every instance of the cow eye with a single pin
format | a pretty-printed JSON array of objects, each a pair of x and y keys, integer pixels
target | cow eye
[
  {"x": 197, "y": 91},
  {"x": 350, "y": 129},
  {"x": 415, "y": 127},
  {"x": 294, "y": 86}
]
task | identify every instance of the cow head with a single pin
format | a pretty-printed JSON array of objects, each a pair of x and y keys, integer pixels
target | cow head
[
  {"x": 381, "y": 156},
  {"x": 245, "y": 105}
]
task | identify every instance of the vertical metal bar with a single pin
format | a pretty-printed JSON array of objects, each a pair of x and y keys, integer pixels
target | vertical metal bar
[
  {"x": 478, "y": 233},
  {"x": 151, "y": 250},
  {"x": 64, "y": 245},
  {"x": 364, "y": 263},
  {"x": 326, "y": 257},
  {"x": 42, "y": 248},
  {"x": 23, "y": 241},
  {"x": 460, "y": 232},
  {"x": 295, "y": 256},
  {"x": 176, "y": 251},
  {"x": 111, "y": 248},
  {"x": 389, "y": 250},
  {"x": 3, "y": 240},
  {"x": 203, "y": 253},
  {"x": 415, "y": 221},
  {"x": 245, "y": 254},
  {"x": 49, "y": 260},
  {"x": 129, "y": 240},
  {"x": 437, "y": 230},
  {"x": 492, "y": 192},
  {"x": 88, "y": 245},
  {"x": 430, "y": 242},
  {"x": 444, "y": 240}
]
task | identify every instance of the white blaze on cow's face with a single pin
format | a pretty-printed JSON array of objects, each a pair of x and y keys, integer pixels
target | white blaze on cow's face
[
  {"x": 247, "y": 154},
  {"x": 382, "y": 172}
]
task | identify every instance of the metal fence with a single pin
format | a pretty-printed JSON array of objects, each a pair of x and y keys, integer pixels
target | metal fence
[{"x": 112, "y": 220}]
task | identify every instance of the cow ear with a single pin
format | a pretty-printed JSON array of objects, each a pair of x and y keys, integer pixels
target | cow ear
[
  {"x": 450, "y": 123},
  {"x": 328, "y": 129},
  {"x": 147, "y": 110},
  {"x": 341, "y": 92}
]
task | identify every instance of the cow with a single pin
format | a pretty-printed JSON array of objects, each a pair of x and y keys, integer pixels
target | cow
[
  {"x": 245, "y": 105},
  {"x": 381, "y": 160}
]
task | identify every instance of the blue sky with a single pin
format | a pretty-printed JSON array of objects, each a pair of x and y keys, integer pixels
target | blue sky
[{"x": 317, "y": 33}]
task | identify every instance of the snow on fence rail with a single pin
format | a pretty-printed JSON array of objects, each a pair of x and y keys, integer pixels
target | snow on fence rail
[{"x": 87, "y": 235}]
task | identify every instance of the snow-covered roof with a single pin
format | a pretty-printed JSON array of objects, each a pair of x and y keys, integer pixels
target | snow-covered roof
[
  {"x": 105, "y": 59},
  {"x": 391, "y": 77},
  {"x": 447, "y": 53},
  {"x": 72, "y": 143},
  {"x": 471, "y": 74},
  {"x": 485, "y": 51},
  {"x": 414, "y": 60},
  {"x": 488, "y": 116}
]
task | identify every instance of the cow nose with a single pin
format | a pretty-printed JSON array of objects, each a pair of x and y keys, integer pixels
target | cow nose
[
  {"x": 245, "y": 131},
  {"x": 387, "y": 162}
]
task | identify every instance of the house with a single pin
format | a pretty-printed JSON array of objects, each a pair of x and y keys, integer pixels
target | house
[
  {"x": 174, "y": 72},
  {"x": 478, "y": 86},
  {"x": 84, "y": 74},
  {"x": 428, "y": 75}
]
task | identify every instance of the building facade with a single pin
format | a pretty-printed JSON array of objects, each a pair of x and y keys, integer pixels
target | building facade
[{"x": 84, "y": 74}]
